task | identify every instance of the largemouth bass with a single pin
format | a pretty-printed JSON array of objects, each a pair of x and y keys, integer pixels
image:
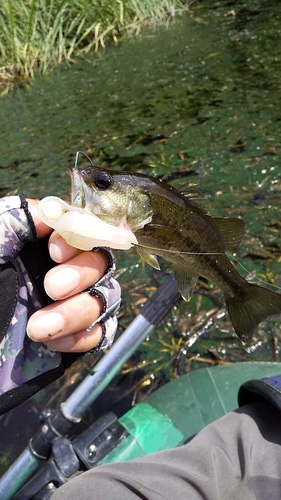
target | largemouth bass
[{"x": 169, "y": 223}]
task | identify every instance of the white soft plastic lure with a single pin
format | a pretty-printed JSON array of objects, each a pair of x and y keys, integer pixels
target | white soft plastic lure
[{"x": 81, "y": 228}]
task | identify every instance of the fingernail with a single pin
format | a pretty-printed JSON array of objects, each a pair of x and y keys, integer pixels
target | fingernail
[
  {"x": 55, "y": 251},
  {"x": 59, "y": 283},
  {"x": 44, "y": 326}
]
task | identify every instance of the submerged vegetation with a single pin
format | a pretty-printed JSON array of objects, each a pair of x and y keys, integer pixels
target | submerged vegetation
[{"x": 37, "y": 35}]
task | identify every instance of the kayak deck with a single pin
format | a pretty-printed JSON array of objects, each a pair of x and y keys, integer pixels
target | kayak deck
[{"x": 173, "y": 414}]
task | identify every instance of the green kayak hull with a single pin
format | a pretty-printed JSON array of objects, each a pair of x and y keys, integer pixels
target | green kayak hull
[{"x": 173, "y": 414}]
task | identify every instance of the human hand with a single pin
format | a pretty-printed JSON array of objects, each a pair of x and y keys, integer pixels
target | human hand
[{"x": 63, "y": 325}]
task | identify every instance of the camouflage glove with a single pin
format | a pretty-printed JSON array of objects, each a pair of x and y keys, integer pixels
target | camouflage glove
[{"x": 27, "y": 366}]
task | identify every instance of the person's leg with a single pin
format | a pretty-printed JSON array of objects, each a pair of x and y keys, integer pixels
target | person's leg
[{"x": 237, "y": 457}]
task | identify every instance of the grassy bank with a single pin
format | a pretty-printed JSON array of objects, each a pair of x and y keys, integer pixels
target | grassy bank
[{"x": 37, "y": 35}]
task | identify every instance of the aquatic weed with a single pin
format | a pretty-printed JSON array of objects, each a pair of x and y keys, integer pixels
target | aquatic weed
[{"x": 37, "y": 35}]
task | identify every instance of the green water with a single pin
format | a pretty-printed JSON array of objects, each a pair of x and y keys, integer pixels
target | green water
[{"x": 200, "y": 98}]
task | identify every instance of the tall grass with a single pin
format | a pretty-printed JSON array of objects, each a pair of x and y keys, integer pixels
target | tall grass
[{"x": 36, "y": 35}]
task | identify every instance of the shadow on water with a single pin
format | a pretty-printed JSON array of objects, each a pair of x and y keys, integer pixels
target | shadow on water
[{"x": 199, "y": 101}]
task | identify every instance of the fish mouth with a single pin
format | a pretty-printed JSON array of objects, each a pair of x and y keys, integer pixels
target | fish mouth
[{"x": 81, "y": 194}]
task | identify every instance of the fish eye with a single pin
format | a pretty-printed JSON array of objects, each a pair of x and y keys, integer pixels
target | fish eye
[{"x": 103, "y": 180}]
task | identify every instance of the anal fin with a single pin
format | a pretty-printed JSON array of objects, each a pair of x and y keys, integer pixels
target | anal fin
[{"x": 186, "y": 282}]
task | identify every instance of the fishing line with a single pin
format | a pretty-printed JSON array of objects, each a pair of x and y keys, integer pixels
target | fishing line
[
  {"x": 249, "y": 272},
  {"x": 178, "y": 252},
  {"x": 83, "y": 154},
  {"x": 212, "y": 253}
]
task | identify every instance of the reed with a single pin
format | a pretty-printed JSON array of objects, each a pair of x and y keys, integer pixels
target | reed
[{"x": 37, "y": 35}]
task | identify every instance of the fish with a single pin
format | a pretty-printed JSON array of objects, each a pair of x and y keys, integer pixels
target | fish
[{"x": 171, "y": 224}]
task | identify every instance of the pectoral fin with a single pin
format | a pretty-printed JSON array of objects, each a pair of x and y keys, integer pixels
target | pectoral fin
[
  {"x": 186, "y": 282},
  {"x": 153, "y": 239},
  {"x": 156, "y": 236},
  {"x": 148, "y": 257}
]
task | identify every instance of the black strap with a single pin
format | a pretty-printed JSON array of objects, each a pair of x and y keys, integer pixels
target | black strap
[
  {"x": 37, "y": 261},
  {"x": 16, "y": 396},
  {"x": 268, "y": 388},
  {"x": 9, "y": 289}
]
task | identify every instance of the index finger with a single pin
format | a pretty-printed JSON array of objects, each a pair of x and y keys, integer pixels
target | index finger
[{"x": 59, "y": 250}]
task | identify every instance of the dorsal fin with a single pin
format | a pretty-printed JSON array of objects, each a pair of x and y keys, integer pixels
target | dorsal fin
[
  {"x": 232, "y": 231},
  {"x": 190, "y": 191}
]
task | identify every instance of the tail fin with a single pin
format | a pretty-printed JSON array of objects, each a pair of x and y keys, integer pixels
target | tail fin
[{"x": 250, "y": 308}]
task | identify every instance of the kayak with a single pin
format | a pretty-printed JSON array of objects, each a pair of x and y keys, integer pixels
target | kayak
[
  {"x": 168, "y": 418},
  {"x": 173, "y": 414}
]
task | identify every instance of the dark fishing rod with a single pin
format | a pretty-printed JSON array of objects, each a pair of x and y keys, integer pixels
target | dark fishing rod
[{"x": 73, "y": 409}]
